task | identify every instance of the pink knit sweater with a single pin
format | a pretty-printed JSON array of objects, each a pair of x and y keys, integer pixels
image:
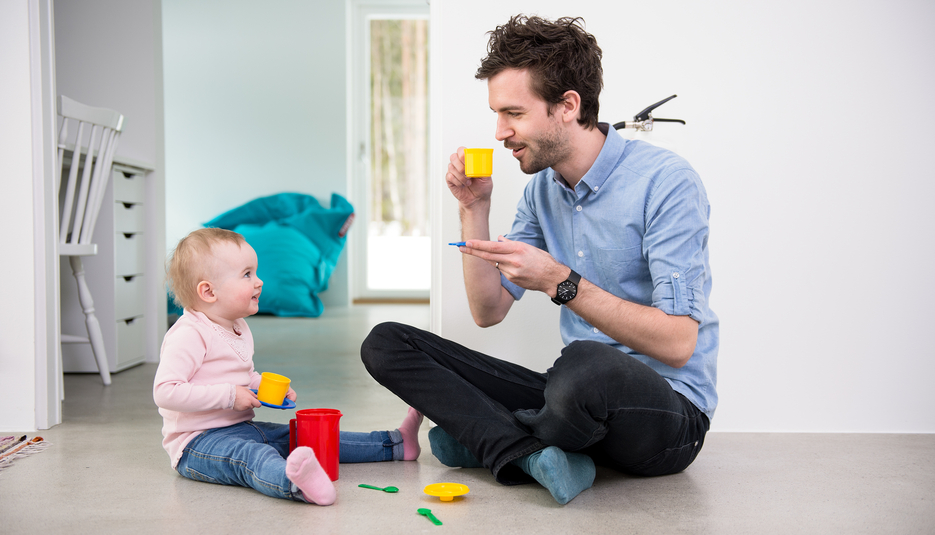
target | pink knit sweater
[{"x": 199, "y": 368}]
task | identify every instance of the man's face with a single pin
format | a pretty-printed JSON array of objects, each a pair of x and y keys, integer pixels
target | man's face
[{"x": 524, "y": 125}]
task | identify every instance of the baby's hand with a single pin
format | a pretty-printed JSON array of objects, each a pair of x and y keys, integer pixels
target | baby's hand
[
  {"x": 291, "y": 394},
  {"x": 245, "y": 399}
]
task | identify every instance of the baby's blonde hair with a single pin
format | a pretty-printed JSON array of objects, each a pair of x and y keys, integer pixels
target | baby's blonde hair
[{"x": 188, "y": 264}]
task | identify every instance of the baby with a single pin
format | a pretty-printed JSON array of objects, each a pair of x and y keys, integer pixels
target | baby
[{"x": 205, "y": 376}]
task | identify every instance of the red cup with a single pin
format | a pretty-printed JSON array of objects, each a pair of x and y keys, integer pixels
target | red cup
[{"x": 318, "y": 429}]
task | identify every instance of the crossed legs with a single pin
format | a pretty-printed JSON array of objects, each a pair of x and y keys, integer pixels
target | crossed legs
[{"x": 594, "y": 400}]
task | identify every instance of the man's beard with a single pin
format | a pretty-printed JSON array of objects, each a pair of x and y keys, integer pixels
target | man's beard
[{"x": 542, "y": 152}]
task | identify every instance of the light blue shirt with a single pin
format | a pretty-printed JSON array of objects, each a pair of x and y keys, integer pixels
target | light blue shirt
[{"x": 636, "y": 225}]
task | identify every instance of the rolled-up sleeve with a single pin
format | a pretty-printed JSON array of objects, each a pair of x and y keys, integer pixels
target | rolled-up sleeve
[{"x": 675, "y": 243}]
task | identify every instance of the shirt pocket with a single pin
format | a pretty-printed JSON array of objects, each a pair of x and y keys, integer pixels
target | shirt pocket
[{"x": 618, "y": 266}]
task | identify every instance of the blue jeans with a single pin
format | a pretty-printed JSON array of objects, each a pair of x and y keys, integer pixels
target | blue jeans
[
  {"x": 253, "y": 454},
  {"x": 595, "y": 399}
]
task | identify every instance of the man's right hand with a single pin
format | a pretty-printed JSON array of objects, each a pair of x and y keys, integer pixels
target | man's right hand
[
  {"x": 468, "y": 191},
  {"x": 488, "y": 299}
]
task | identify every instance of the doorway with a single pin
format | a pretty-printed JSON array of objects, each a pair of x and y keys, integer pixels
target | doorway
[{"x": 389, "y": 140}]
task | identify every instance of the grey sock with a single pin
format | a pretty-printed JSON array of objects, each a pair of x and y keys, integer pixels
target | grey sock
[
  {"x": 564, "y": 474},
  {"x": 449, "y": 451}
]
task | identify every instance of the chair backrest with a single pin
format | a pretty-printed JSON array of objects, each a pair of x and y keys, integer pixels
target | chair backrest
[{"x": 96, "y": 132}]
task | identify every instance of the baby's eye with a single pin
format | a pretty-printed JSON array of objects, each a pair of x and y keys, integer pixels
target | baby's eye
[{"x": 247, "y": 274}]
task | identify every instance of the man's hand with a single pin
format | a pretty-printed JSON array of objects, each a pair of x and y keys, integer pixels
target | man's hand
[
  {"x": 245, "y": 399},
  {"x": 488, "y": 299},
  {"x": 524, "y": 265},
  {"x": 668, "y": 339},
  {"x": 468, "y": 191}
]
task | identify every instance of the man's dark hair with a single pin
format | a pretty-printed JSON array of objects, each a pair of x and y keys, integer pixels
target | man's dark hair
[{"x": 559, "y": 55}]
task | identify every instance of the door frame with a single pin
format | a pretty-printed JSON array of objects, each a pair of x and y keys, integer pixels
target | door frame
[{"x": 359, "y": 15}]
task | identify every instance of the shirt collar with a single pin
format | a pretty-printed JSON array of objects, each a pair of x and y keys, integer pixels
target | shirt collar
[
  {"x": 610, "y": 154},
  {"x": 600, "y": 170}
]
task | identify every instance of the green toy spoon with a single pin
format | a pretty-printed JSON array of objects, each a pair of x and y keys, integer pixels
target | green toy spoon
[
  {"x": 428, "y": 514},
  {"x": 384, "y": 489}
]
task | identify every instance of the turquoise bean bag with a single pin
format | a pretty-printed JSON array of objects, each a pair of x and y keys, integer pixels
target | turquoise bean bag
[{"x": 298, "y": 243}]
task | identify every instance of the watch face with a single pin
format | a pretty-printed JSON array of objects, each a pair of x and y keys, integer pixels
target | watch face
[{"x": 566, "y": 291}]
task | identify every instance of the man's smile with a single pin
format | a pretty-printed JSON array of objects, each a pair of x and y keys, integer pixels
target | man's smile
[{"x": 515, "y": 147}]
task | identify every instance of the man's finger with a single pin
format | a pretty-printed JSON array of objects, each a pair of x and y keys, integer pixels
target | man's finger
[{"x": 489, "y": 246}]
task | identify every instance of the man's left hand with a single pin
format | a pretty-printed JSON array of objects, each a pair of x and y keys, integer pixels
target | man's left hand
[{"x": 524, "y": 265}]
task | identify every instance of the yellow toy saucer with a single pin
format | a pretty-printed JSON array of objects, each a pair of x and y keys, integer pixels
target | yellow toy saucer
[{"x": 446, "y": 491}]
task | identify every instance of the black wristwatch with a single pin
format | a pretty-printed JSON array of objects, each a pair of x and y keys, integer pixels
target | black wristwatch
[{"x": 567, "y": 289}]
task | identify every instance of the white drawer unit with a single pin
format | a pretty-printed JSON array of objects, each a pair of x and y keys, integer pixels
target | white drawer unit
[
  {"x": 130, "y": 296},
  {"x": 130, "y": 218},
  {"x": 130, "y": 257},
  {"x": 130, "y": 339},
  {"x": 116, "y": 276}
]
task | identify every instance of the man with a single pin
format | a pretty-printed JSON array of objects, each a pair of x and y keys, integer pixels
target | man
[{"x": 615, "y": 232}]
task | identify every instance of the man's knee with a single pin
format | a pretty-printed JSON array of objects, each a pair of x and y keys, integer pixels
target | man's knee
[
  {"x": 583, "y": 366},
  {"x": 580, "y": 359},
  {"x": 373, "y": 350}
]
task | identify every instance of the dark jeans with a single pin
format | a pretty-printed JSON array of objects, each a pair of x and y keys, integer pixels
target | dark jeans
[{"x": 595, "y": 400}]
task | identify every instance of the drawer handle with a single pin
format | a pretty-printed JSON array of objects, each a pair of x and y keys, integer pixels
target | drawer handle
[
  {"x": 129, "y": 278},
  {"x": 128, "y": 235},
  {"x": 130, "y": 321},
  {"x": 128, "y": 205}
]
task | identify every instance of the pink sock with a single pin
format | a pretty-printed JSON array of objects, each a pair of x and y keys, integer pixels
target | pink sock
[
  {"x": 303, "y": 469},
  {"x": 410, "y": 432}
]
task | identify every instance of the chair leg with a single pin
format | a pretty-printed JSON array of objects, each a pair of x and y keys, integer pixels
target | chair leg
[{"x": 94, "y": 326}]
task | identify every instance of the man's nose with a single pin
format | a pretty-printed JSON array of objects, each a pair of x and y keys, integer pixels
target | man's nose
[{"x": 504, "y": 131}]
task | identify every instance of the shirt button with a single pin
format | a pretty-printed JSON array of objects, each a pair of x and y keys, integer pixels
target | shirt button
[
  {"x": 578, "y": 208},
  {"x": 675, "y": 275},
  {"x": 580, "y": 253},
  {"x": 595, "y": 330},
  {"x": 596, "y": 188}
]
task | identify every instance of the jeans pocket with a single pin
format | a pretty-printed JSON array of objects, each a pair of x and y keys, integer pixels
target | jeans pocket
[
  {"x": 670, "y": 461},
  {"x": 198, "y": 476}
]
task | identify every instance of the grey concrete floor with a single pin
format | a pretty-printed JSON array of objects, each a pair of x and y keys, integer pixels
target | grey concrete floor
[{"x": 106, "y": 471}]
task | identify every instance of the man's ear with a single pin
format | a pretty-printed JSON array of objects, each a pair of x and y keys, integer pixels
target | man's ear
[
  {"x": 570, "y": 108},
  {"x": 206, "y": 292}
]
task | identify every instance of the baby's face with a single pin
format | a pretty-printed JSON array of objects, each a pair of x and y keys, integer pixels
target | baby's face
[{"x": 236, "y": 285}]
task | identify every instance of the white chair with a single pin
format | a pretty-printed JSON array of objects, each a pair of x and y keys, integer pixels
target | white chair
[{"x": 92, "y": 144}]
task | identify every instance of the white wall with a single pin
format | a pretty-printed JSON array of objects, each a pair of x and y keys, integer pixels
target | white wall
[
  {"x": 255, "y": 105},
  {"x": 17, "y": 319},
  {"x": 810, "y": 124},
  {"x": 104, "y": 56}
]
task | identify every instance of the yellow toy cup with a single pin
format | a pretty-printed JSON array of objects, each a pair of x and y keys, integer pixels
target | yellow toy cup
[
  {"x": 273, "y": 388},
  {"x": 478, "y": 162}
]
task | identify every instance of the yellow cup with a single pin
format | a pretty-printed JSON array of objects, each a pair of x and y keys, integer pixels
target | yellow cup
[
  {"x": 478, "y": 162},
  {"x": 273, "y": 388}
]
